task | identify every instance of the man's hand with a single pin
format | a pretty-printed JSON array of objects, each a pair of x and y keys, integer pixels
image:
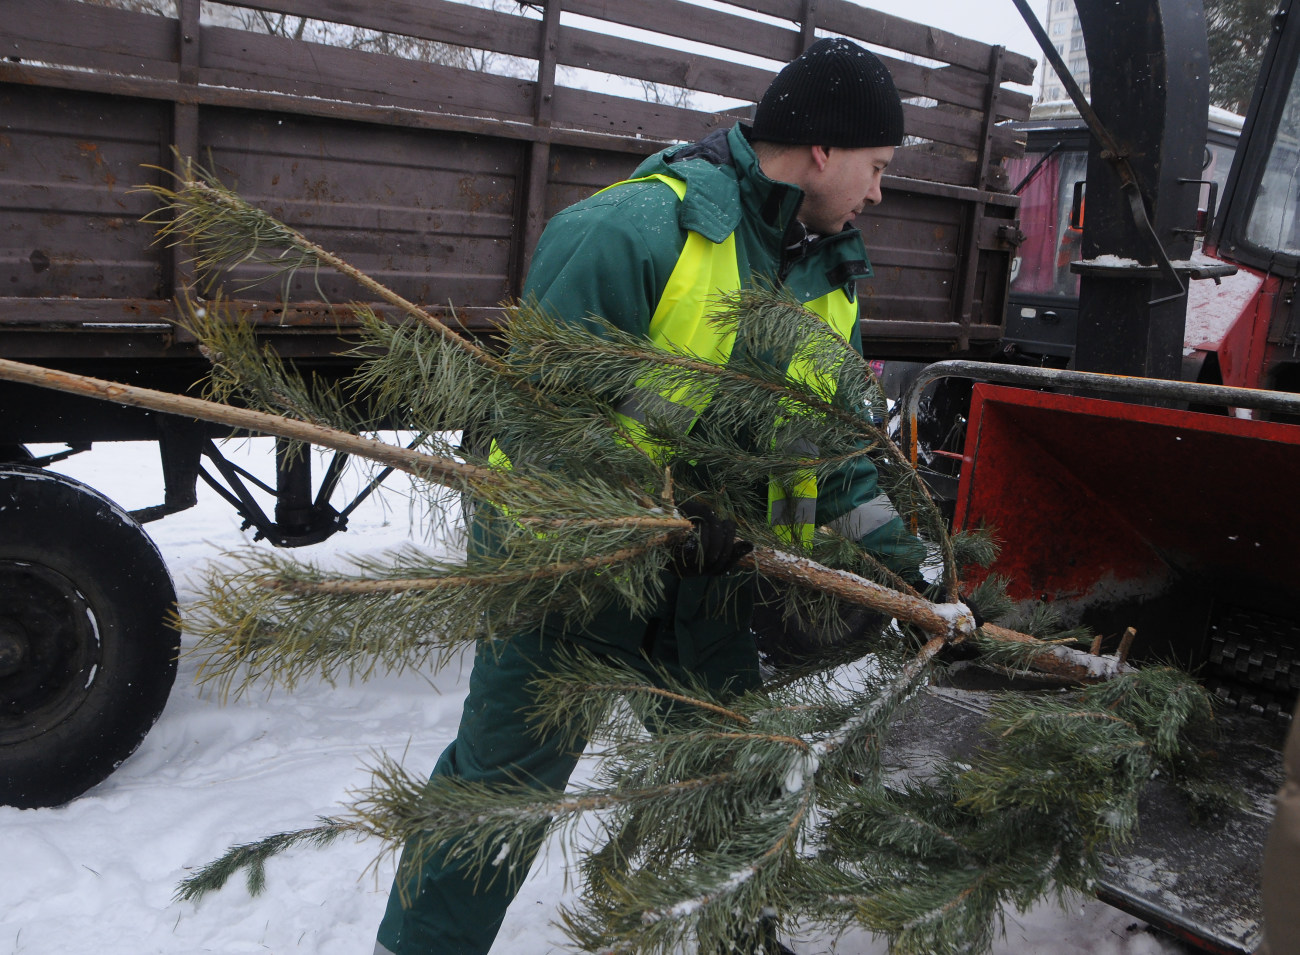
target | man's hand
[{"x": 713, "y": 549}]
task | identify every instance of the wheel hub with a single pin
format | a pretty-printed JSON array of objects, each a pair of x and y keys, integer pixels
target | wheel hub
[
  {"x": 13, "y": 649},
  {"x": 49, "y": 649}
]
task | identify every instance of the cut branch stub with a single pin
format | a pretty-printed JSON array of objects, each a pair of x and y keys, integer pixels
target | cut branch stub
[{"x": 953, "y": 621}]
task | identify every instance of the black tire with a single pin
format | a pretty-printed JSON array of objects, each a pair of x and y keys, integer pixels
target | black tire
[{"x": 87, "y": 645}]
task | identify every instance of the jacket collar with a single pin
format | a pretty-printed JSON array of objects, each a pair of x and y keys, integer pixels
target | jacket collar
[{"x": 725, "y": 184}]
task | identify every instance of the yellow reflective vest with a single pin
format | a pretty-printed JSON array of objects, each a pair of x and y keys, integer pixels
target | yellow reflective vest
[{"x": 681, "y": 324}]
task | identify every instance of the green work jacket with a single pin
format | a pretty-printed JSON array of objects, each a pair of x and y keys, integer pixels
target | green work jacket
[{"x": 611, "y": 255}]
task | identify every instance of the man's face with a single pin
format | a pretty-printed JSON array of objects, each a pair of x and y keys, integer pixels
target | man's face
[{"x": 841, "y": 184}]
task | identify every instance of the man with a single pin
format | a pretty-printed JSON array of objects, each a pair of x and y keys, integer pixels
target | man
[{"x": 775, "y": 204}]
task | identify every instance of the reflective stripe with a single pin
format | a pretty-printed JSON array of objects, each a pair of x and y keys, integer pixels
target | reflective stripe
[
  {"x": 804, "y": 447},
  {"x": 497, "y": 458},
  {"x": 865, "y": 518},
  {"x": 840, "y": 313},
  {"x": 793, "y": 510}
]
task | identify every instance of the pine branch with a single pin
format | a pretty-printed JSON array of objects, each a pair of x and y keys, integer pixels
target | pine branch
[
  {"x": 446, "y": 471},
  {"x": 223, "y": 227},
  {"x": 497, "y": 579},
  {"x": 949, "y": 621},
  {"x": 256, "y": 375},
  {"x": 708, "y": 801},
  {"x": 276, "y": 620},
  {"x": 752, "y": 396},
  {"x": 251, "y": 859}
]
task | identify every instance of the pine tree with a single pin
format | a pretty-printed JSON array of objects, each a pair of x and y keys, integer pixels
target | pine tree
[
  {"x": 718, "y": 814},
  {"x": 1238, "y": 35}
]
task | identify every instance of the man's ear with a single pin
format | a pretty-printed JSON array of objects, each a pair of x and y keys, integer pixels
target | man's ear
[{"x": 820, "y": 156}]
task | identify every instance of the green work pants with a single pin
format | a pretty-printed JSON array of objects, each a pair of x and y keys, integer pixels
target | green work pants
[{"x": 447, "y": 911}]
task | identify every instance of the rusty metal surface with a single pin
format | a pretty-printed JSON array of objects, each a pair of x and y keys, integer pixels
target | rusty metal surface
[{"x": 1197, "y": 879}]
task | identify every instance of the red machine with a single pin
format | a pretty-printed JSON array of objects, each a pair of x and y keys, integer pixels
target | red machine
[{"x": 1151, "y": 484}]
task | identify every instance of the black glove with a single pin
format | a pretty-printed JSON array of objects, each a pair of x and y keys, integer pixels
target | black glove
[
  {"x": 712, "y": 549},
  {"x": 969, "y": 601},
  {"x": 917, "y": 583}
]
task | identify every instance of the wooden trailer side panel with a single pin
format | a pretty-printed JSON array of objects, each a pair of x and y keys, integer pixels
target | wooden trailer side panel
[{"x": 437, "y": 178}]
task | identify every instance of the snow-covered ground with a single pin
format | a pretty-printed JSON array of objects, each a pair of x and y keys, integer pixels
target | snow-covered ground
[{"x": 98, "y": 875}]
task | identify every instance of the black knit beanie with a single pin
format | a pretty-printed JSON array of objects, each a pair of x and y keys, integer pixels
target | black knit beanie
[{"x": 834, "y": 94}]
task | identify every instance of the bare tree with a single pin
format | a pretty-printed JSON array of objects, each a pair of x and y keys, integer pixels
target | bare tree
[
  {"x": 165, "y": 8},
  {"x": 665, "y": 95}
]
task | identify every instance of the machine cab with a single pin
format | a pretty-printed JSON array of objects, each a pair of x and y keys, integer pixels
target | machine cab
[{"x": 1043, "y": 294}]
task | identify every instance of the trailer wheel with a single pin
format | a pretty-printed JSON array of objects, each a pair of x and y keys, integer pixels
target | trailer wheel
[{"x": 87, "y": 648}]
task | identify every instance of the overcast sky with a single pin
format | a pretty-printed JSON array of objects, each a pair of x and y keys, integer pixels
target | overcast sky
[{"x": 992, "y": 21}]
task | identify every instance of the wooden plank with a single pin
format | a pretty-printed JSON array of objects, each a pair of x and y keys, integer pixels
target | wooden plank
[
  {"x": 962, "y": 128},
  {"x": 989, "y": 150},
  {"x": 808, "y": 24},
  {"x": 644, "y": 61},
  {"x": 22, "y": 75},
  {"x": 969, "y": 275},
  {"x": 441, "y": 21},
  {"x": 918, "y": 162},
  {"x": 615, "y": 114},
  {"x": 632, "y": 58},
  {"x": 884, "y": 29},
  {"x": 1013, "y": 105},
  {"x": 689, "y": 21},
  {"x": 878, "y": 329},
  {"x": 531, "y": 202},
  {"x": 256, "y": 61},
  {"x": 178, "y": 269},
  {"x": 88, "y": 36},
  {"x": 943, "y": 163},
  {"x": 955, "y": 85},
  {"x": 900, "y": 185},
  {"x": 927, "y": 259}
]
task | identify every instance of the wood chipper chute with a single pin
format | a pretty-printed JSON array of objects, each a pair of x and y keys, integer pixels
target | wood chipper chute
[{"x": 1176, "y": 523}]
